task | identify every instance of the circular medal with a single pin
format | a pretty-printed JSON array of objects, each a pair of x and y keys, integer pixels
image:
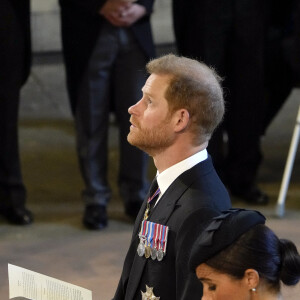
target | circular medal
[
  {"x": 147, "y": 252},
  {"x": 140, "y": 249},
  {"x": 153, "y": 253},
  {"x": 160, "y": 254}
]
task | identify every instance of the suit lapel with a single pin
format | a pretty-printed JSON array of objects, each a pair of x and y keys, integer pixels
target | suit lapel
[
  {"x": 135, "y": 276},
  {"x": 166, "y": 205},
  {"x": 139, "y": 218},
  {"x": 138, "y": 262}
]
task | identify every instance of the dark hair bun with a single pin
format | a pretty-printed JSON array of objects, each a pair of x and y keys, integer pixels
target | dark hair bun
[{"x": 290, "y": 269}]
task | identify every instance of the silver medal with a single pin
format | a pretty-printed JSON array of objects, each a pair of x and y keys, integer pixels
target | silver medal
[
  {"x": 160, "y": 254},
  {"x": 153, "y": 253},
  {"x": 141, "y": 249}
]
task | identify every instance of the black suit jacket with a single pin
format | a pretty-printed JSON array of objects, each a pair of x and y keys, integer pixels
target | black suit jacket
[
  {"x": 186, "y": 207},
  {"x": 80, "y": 26}
]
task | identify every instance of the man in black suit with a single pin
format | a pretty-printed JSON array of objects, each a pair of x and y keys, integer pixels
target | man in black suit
[
  {"x": 281, "y": 56},
  {"x": 230, "y": 36},
  {"x": 181, "y": 106},
  {"x": 106, "y": 44},
  {"x": 15, "y": 54}
]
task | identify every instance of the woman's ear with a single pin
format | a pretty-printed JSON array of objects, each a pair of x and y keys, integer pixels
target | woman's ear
[
  {"x": 251, "y": 278},
  {"x": 182, "y": 118}
]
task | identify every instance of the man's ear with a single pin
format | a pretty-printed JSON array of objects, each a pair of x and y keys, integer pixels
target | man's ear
[
  {"x": 251, "y": 278},
  {"x": 182, "y": 118}
]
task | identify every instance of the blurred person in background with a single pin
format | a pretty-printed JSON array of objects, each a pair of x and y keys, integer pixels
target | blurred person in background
[
  {"x": 106, "y": 44},
  {"x": 15, "y": 61},
  {"x": 230, "y": 37},
  {"x": 282, "y": 59}
]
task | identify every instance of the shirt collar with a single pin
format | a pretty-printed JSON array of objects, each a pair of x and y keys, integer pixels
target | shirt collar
[{"x": 166, "y": 178}]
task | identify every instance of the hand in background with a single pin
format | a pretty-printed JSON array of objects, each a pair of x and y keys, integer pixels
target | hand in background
[{"x": 122, "y": 13}]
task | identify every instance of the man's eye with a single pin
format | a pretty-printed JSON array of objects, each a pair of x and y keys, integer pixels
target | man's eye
[
  {"x": 149, "y": 101},
  {"x": 212, "y": 287}
]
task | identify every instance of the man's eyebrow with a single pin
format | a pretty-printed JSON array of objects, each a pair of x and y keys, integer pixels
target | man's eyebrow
[
  {"x": 205, "y": 279},
  {"x": 146, "y": 93}
]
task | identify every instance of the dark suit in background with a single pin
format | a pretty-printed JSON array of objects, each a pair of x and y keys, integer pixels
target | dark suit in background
[
  {"x": 282, "y": 59},
  {"x": 188, "y": 204},
  {"x": 105, "y": 71},
  {"x": 230, "y": 36},
  {"x": 15, "y": 59}
]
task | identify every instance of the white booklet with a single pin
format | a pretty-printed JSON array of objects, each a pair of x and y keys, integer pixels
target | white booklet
[{"x": 27, "y": 284}]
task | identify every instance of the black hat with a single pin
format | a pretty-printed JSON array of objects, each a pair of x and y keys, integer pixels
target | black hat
[{"x": 222, "y": 232}]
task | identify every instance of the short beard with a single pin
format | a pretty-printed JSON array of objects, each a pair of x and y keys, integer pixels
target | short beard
[{"x": 152, "y": 141}]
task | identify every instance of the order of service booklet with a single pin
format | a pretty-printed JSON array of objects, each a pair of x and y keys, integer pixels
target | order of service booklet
[{"x": 26, "y": 284}]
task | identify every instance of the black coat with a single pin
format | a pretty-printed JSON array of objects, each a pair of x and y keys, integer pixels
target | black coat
[
  {"x": 80, "y": 26},
  {"x": 189, "y": 203}
]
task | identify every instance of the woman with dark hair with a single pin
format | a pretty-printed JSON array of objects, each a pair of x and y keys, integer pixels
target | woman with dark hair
[{"x": 238, "y": 257}]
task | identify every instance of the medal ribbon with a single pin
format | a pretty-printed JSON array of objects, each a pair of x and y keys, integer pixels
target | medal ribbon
[
  {"x": 153, "y": 196},
  {"x": 160, "y": 233},
  {"x": 146, "y": 232},
  {"x": 164, "y": 238},
  {"x": 146, "y": 214},
  {"x": 149, "y": 236},
  {"x": 143, "y": 229},
  {"x": 154, "y": 243}
]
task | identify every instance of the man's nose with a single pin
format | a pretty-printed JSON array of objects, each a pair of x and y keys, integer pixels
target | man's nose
[
  {"x": 206, "y": 297},
  {"x": 133, "y": 110}
]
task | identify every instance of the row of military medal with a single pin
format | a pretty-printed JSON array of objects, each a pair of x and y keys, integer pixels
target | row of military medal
[{"x": 153, "y": 240}]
